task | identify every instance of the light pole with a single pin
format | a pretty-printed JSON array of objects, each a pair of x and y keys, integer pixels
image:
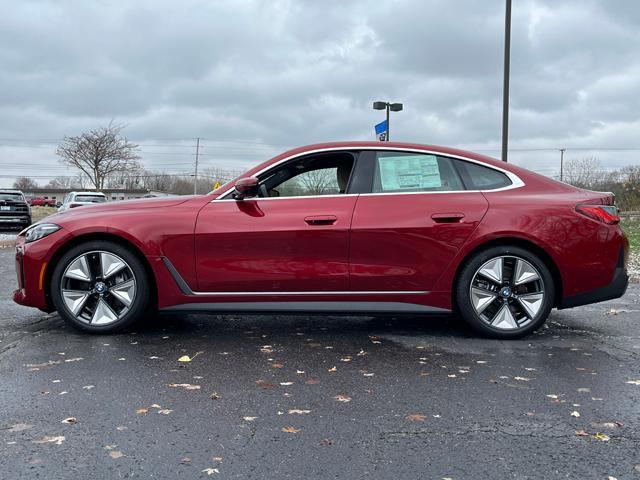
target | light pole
[
  {"x": 505, "y": 83},
  {"x": 393, "y": 107}
]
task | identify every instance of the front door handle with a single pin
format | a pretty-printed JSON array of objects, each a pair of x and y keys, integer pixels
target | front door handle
[
  {"x": 321, "y": 219},
  {"x": 449, "y": 217}
]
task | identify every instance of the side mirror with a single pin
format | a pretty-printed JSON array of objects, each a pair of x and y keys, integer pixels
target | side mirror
[{"x": 246, "y": 188}]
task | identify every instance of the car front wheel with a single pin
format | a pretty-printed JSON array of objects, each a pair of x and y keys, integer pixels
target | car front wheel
[
  {"x": 505, "y": 292},
  {"x": 100, "y": 287}
]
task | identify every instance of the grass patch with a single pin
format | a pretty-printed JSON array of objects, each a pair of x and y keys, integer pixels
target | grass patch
[
  {"x": 631, "y": 227},
  {"x": 38, "y": 213}
]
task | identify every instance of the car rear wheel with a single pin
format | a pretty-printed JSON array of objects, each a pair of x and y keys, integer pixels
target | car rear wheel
[
  {"x": 100, "y": 287},
  {"x": 505, "y": 292}
]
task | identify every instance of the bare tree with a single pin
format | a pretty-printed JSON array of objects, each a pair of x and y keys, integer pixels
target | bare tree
[
  {"x": 318, "y": 182},
  {"x": 100, "y": 153},
  {"x": 585, "y": 172},
  {"x": 63, "y": 182},
  {"x": 25, "y": 183}
]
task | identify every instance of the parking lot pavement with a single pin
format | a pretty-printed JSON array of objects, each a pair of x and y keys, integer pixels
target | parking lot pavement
[{"x": 319, "y": 397}]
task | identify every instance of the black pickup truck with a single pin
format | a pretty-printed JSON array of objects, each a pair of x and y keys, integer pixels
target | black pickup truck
[{"x": 14, "y": 209}]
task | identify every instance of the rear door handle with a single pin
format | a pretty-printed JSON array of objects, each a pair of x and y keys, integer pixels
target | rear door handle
[
  {"x": 321, "y": 219},
  {"x": 449, "y": 217}
]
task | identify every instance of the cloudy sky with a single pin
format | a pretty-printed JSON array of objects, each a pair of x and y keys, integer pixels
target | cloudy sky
[{"x": 255, "y": 77}]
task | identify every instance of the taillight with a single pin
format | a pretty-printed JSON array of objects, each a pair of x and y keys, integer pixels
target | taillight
[{"x": 604, "y": 213}]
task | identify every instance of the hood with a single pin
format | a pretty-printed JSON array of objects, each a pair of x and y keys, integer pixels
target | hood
[{"x": 118, "y": 205}]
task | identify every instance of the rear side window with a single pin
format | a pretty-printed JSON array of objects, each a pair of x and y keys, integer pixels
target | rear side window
[
  {"x": 479, "y": 177},
  {"x": 90, "y": 198},
  {"x": 414, "y": 172}
]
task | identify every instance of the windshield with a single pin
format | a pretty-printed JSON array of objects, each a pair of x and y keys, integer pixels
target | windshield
[
  {"x": 90, "y": 198},
  {"x": 11, "y": 197}
]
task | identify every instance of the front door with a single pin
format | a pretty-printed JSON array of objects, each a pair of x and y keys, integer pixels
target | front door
[{"x": 294, "y": 237}]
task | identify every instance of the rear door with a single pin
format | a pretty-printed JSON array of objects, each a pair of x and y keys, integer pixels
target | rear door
[{"x": 407, "y": 230}]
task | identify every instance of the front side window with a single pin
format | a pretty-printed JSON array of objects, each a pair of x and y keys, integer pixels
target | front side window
[
  {"x": 414, "y": 172},
  {"x": 314, "y": 175}
]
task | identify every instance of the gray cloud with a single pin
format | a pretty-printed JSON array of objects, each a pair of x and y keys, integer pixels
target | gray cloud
[{"x": 284, "y": 73}]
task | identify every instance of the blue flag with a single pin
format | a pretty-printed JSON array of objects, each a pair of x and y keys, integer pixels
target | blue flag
[{"x": 382, "y": 130}]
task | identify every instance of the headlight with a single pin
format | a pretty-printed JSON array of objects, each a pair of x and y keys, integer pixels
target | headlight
[{"x": 38, "y": 231}]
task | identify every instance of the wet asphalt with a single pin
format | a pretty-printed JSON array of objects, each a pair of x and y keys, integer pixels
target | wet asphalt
[{"x": 319, "y": 397}]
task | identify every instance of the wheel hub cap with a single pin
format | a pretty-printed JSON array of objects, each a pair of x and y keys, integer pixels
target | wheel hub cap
[
  {"x": 98, "y": 287},
  {"x": 507, "y": 292}
]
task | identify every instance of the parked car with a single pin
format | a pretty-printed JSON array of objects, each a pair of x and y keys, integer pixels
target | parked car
[
  {"x": 14, "y": 209},
  {"x": 359, "y": 227},
  {"x": 79, "y": 199},
  {"x": 42, "y": 202}
]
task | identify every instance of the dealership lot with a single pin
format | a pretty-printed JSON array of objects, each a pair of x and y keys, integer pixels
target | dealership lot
[{"x": 319, "y": 397}]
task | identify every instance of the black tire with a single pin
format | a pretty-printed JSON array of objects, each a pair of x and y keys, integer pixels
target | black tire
[
  {"x": 463, "y": 299},
  {"x": 140, "y": 305}
]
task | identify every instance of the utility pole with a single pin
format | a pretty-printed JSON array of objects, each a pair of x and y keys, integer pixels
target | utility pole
[
  {"x": 195, "y": 176},
  {"x": 505, "y": 84},
  {"x": 562, "y": 150}
]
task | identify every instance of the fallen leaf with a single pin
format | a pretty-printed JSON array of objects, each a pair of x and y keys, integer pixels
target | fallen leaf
[
  {"x": 325, "y": 442},
  {"x": 416, "y": 417},
  {"x": 19, "y": 427},
  {"x": 345, "y": 359},
  {"x": 602, "y": 437},
  {"x": 47, "y": 439},
  {"x": 553, "y": 396},
  {"x": 575, "y": 414},
  {"x": 264, "y": 385},
  {"x": 299, "y": 412},
  {"x": 121, "y": 428},
  {"x": 155, "y": 405},
  {"x": 312, "y": 381},
  {"x": 214, "y": 396},
  {"x": 186, "y": 386},
  {"x": 165, "y": 411},
  {"x": 70, "y": 420},
  {"x": 216, "y": 459},
  {"x": 249, "y": 419},
  {"x": 300, "y": 372},
  {"x": 277, "y": 365},
  {"x": 290, "y": 430},
  {"x": 581, "y": 433},
  {"x": 634, "y": 382},
  {"x": 210, "y": 471},
  {"x": 88, "y": 387},
  {"x": 116, "y": 454},
  {"x": 342, "y": 398},
  {"x": 332, "y": 369},
  {"x": 522, "y": 379},
  {"x": 286, "y": 384},
  {"x": 142, "y": 410}
]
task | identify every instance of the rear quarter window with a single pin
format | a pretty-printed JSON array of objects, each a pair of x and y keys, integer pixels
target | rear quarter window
[{"x": 479, "y": 177}]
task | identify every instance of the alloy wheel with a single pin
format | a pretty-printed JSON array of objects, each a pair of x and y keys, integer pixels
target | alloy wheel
[
  {"x": 98, "y": 287},
  {"x": 507, "y": 292}
]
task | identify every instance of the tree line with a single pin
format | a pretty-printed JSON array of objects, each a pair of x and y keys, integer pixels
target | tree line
[{"x": 104, "y": 158}]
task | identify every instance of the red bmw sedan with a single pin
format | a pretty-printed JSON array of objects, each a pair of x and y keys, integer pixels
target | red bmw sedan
[{"x": 357, "y": 227}]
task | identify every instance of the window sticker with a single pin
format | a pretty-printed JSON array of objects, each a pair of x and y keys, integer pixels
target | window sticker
[{"x": 409, "y": 172}]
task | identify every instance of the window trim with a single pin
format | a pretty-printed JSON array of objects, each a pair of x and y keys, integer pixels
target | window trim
[{"x": 516, "y": 182}]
